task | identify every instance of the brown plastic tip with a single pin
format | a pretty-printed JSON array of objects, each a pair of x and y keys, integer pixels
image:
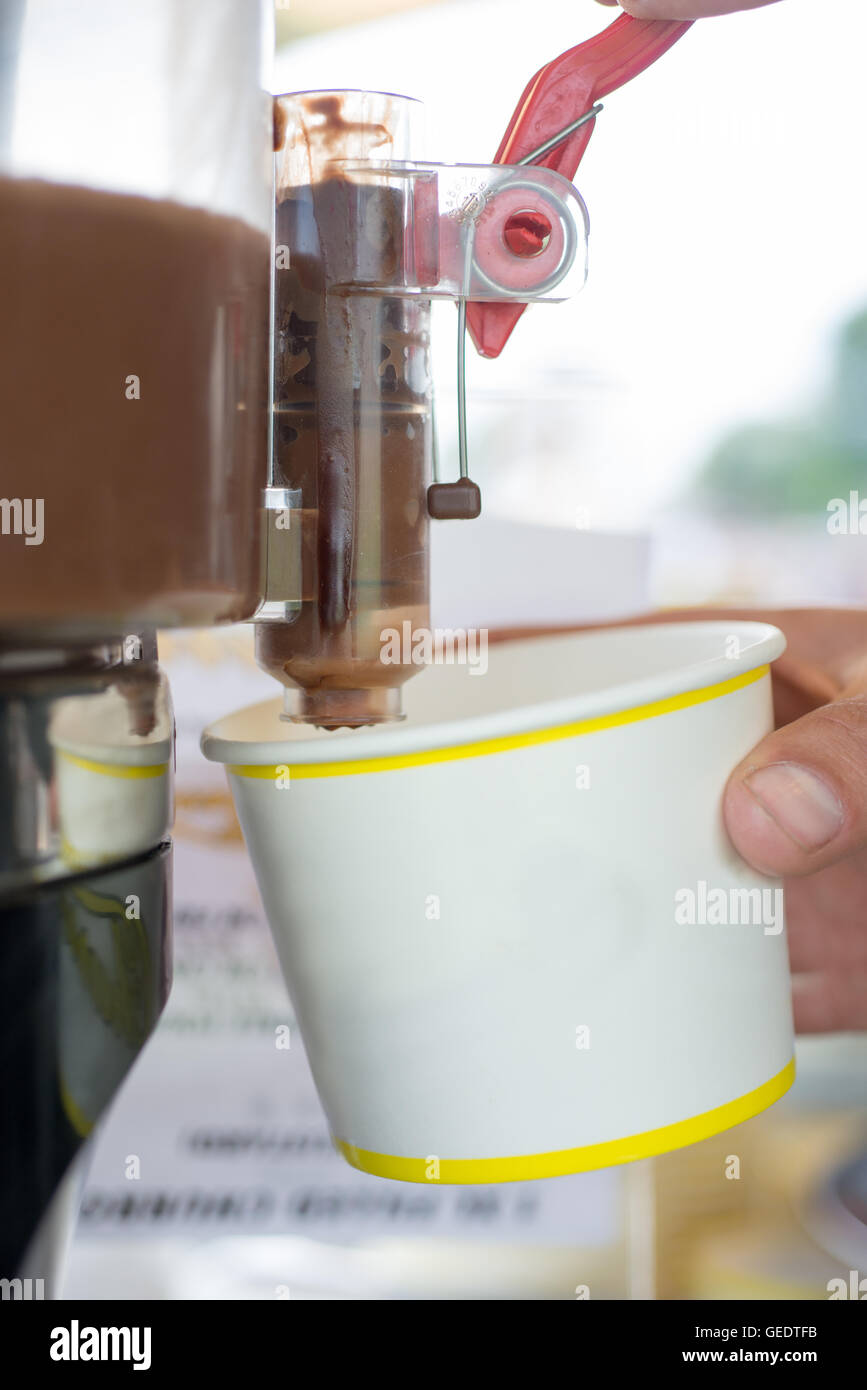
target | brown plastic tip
[
  {"x": 280, "y": 121},
  {"x": 343, "y": 709},
  {"x": 460, "y": 501}
]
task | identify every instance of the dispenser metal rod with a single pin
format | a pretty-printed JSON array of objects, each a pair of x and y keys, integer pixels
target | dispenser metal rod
[{"x": 561, "y": 135}]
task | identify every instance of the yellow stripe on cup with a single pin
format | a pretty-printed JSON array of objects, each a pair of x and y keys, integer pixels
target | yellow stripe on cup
[
  {"x": 116, "y": 769},
  {"x": 526, "y": 1167},
  {"x": 79, "y": 859},
  {"x": 352, "y": 767}
]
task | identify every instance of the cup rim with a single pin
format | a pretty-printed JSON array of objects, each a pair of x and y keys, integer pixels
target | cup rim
[
  {"x": 348, "y": 91},
  {"x": 760, "y": 644}
]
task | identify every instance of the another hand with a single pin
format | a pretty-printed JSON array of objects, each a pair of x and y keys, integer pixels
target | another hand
[{"x": 684, "y": 9}]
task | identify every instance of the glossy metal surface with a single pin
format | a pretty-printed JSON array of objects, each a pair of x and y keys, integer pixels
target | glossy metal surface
[{"x": 82, "y": 984}]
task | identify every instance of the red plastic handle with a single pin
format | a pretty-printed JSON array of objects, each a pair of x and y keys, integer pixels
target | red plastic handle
[{"x": 559, "y": 93}]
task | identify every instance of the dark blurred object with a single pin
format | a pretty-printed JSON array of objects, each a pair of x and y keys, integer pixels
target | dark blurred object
[{"x": 81, "y": 990}]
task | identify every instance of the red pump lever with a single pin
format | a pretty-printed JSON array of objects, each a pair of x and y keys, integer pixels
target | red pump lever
[{"x": 560, "y": 93}]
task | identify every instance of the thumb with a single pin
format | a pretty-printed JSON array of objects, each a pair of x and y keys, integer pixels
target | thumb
[{"x": 798, "y": 803}]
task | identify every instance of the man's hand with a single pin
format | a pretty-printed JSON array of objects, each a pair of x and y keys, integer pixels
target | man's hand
[
  {"x": 684, "y": 9},
  {"x": 796, "y": 807}
]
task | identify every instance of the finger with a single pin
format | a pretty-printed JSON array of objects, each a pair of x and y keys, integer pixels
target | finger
[
  {"x": 830, "y": 1003},
  {"x": 800, "y": 687},
  {"x": 826, "y": 926},
  {"x": 685, "y": 9},
  {"x": 798, "y": 803}
]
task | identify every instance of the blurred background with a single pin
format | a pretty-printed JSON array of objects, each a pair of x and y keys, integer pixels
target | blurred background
[
  {"x": 708, "y": 385},
  {"x": 674, "y": 435}
]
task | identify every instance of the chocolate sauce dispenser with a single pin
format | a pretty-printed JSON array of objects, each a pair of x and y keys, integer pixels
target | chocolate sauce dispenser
[{"x": 365, "y": 239}]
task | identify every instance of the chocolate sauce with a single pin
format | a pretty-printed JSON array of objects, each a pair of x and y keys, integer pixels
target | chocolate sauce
[
  {"x": 352, "y": 432},
  {"x": 133, "y": 401}
]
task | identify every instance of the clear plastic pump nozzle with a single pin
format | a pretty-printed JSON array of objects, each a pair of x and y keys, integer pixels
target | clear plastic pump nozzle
[
  {"x": 351, "y": 412},
  {"x": 365, "y": 238}
]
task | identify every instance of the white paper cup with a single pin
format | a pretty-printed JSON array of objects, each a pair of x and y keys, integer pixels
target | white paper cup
[
  {"x": 517, "y": 939},
  {"x": 114, "y": 786}
]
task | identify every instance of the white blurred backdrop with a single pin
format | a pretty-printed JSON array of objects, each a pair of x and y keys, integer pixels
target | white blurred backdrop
[{"x": 728, "y": 249}]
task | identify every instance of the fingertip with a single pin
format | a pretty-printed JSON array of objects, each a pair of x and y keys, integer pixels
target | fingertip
[{"x": 756, "y": 836}]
